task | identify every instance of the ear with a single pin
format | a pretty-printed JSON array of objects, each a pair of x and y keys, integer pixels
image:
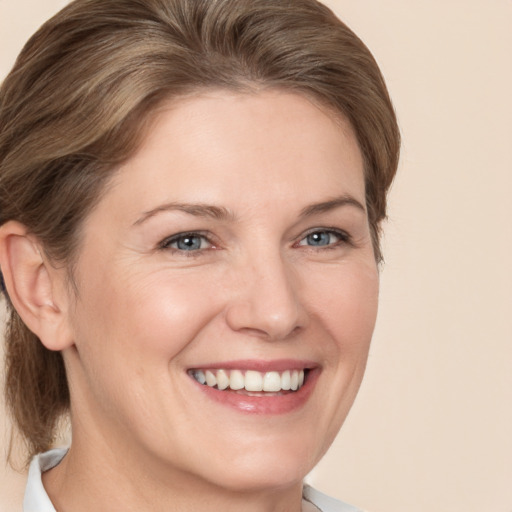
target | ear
[{"x": 37, "y": 291}]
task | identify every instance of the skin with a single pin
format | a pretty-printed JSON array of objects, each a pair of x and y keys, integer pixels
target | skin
[{"x": 145, "y": 436}]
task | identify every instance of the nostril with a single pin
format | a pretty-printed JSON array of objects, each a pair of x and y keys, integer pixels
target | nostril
[{"x": 257, "y": 333}]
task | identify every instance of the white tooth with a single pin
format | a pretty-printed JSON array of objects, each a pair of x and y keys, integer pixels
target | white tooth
[
  {"x": 294, "y": 384},
  {"x": 253, "y": 381},
  {"x": 236, "y": 380},
  {"x": 285, "y": 381},
  {"x": 222, "y": 379},
  {"x": 211, "y": 380},
  {"x": 199, "y": 376},
  {"x": 272, "y": 381},
  {"x": 301, "y": 378}
]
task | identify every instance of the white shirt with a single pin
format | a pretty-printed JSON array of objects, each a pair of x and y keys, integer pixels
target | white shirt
[{"x": 37, "y": 500}]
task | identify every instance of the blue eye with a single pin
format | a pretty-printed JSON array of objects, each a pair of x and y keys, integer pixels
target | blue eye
[
  {"x": 325, "y": 238},
  {"x": 188, "y": 242}
]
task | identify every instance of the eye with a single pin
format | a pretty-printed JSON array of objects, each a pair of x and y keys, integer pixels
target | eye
[
  {"x": 324, "y": 238},
  {"x": 186, "y": 242}
]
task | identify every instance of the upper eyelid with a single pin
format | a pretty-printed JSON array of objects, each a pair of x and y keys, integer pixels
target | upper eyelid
[
  {"x": 338, "y": 231},
  {"x": 324, "y": 228}
]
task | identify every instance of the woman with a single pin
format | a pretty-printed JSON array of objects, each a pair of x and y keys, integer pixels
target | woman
[{"x": 191, "y": 200}]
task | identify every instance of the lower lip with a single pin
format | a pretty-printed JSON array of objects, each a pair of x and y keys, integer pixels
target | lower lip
[{"x": 263, "y": 404}]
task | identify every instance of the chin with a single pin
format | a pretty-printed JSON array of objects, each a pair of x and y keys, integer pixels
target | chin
[{"x": 265, "y": 466}]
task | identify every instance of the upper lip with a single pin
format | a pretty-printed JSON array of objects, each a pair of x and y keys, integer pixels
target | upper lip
[{"x": 259, "y": 365}]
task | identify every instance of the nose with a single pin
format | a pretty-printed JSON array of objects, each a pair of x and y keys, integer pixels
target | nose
[{"x": 266, "y": 302}]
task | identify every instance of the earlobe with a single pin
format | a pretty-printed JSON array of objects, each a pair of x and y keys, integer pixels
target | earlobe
[{"x": 31, "y": 284}]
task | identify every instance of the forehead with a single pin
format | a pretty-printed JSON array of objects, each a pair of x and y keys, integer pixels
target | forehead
[{"x": 224, "y": 146}]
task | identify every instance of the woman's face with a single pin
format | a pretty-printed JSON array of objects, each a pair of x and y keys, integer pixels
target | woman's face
[{"x": 233, "y": 247}]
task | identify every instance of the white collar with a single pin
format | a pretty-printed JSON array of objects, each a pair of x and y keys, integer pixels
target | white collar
[{"x": 36, "y": 499}]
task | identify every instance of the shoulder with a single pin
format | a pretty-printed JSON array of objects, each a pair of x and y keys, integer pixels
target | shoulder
[
  {"x": 326, "y": 503},
  {"x": 36, "y": 499}
]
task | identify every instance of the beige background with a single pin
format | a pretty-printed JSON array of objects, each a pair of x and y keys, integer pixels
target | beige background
[{"x": 432, "y": 427}]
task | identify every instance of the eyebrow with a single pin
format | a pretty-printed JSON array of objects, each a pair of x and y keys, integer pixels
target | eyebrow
[
  {"x": 337, "y": 202},
  {"x": 222, "y": 213},
  {"x": 195, "y": 209}
]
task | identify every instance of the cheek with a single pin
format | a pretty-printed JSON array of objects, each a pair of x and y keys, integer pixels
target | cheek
[
  {"x": 346, "y": 300},
  {"x": 156, "y": 315},
  {"x": 129, "y": 330}
]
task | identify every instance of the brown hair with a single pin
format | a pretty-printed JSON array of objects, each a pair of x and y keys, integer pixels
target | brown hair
[{"x": 75, "y": 104}]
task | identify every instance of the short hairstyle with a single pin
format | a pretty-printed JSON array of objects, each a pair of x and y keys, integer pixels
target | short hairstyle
[{"x": 82, "y": 91}]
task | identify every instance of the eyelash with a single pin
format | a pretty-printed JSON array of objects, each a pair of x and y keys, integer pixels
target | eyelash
[
  {"x": 343, "y": 236},
  {"x": 166, "y": 243}
]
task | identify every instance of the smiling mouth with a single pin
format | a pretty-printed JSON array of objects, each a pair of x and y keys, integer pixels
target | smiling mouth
[{"x": 250, "y": 382}]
